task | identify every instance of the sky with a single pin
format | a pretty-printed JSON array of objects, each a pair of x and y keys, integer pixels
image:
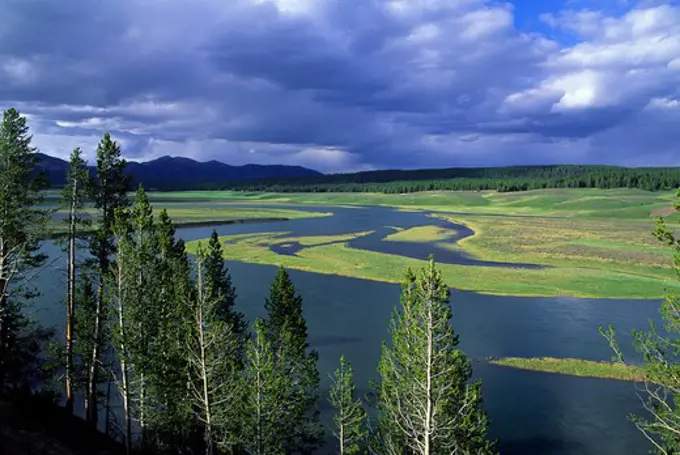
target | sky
[{"x": 349, "y": 85}]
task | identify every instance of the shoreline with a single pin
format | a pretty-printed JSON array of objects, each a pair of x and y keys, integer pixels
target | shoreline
[{"x": 189, "y": 224}]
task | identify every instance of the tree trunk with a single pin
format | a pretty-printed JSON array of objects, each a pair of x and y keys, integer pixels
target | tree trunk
[
  {"x": 427, "y": 449},
  {"x": 142, "y": 410},
  {"x": 3, "y": 308},
  {"x": 259, "y": 444},
  {"x": 342, "y": 436},
  {"x": 204, "y": 369},
  {"x": 91, "y": 401},
  {"x": 123, "y": 366},
  {"x": 70, "y": 301}
]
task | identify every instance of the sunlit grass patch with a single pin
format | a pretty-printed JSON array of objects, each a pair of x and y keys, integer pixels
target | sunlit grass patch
[
  {"x": 573, "y": 202},
  {"x": 628, "y": 247},
  {"x": 185, "y": 216},
  {"x": 339, "y": 259},
  {"x": 575, "y": 367},
  {"x": 421, "y": 234}
]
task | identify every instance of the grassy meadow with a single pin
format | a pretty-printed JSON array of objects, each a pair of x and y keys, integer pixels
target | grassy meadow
[
  {"x": 331, "y": 255},
  {"x": 183, "y": 216},
  {"x": 575, "y": 367},
  {"x": 596, "y": 243},
  {"x": 586, "y": 202},
  {"x": 421, "y": 234}
]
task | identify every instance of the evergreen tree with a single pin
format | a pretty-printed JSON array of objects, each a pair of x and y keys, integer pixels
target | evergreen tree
[
  {"x": 425, "y": 401},
  {"x": 109, "y": 194},
  {"x": 74, "y": 196},
  {"x": 286, "y": 330},
  {"x": 172, "y": 420},
  {"x": 660, "y": 354},
  {"x": 21, "y": 225},
  {"x": 349, "y": 415},
  {"x": 122, "y": 289},
  {"x": 285, "y": 318},
  {"x": 220, "y": 288},
  {"x": 264, "y": 387},
  {"x": 211, "y": 350}
]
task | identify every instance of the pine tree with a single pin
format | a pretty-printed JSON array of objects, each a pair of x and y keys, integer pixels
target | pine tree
[
  {"x": 220, "y": 287},
  {"x": 171, "y": 420},
  {"x": 264, "y": 387},
  {"x": 286, "y": 330},
  {"x": 122, "y": 289},
  {"x": 74, "y": 196},
  {"x": 425, "y": 400},
  {"x": 21, "y": 226},
  {"x": 349, "y": 415},
  {"x": 109, "y": 194},
  {"x": 211, "y": 350}
]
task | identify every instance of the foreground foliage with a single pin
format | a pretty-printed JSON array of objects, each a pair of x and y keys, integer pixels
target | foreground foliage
[
  {"x": 160, "y": 333},
  {"x": 21, "y": 224},
  {"x": 426, "y": 403}
]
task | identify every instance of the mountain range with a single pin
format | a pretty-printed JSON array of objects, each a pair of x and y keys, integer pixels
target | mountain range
[{"x": 177, "y": 173}]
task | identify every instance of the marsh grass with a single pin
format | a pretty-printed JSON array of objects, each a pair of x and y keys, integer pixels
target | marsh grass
[
  {"x": 183, "y": 216},
  {"x": 421, "y": 234},
  {"x": 339, "y": 259},
  {"x": 571, "y": 242},
  {"x": 575, "y": 367},
  {"x": 584, "y": 202}
]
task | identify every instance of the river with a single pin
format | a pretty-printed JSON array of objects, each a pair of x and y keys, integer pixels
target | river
[{"x": 532, "y": 413}]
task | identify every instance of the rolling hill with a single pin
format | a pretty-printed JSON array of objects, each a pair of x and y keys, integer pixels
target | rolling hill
[{"x": 175, "y": 173}]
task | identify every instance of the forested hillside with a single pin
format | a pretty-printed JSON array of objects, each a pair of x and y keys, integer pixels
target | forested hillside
[{"x": 504, "y": 179}]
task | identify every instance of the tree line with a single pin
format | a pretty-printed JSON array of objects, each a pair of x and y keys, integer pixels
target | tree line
[
  {"x": 508, "y": 179},
  {"x": 164, "y": 361}
]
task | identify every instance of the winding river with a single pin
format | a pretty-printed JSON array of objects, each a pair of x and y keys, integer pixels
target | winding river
[{"x": 532, "y": 413}]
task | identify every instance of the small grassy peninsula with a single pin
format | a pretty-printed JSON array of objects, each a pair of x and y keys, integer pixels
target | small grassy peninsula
[{"x": 575, "y": 367}]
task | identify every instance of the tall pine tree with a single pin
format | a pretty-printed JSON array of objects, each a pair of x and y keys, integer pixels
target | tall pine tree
[
  {"x": 74, "y": 196},
  {"x": 109, "y": 194},
  {"x": 172, "y": 415},
  {"x": 425, "y": 400},
  {"x": 286, "y": 331},
  {"x": 350, "y": 417},
  {"x": 21, "y": 225},
  {"x": 220, "y": 288},
  {"x": 263, "y": 407},
  {"x": 211, "y": 350}
]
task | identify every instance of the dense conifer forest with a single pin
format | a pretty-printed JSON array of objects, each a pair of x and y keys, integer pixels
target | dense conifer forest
[{"x": 503, "y": 179}]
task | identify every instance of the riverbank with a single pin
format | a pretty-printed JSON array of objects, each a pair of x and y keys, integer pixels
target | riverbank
[
  {"x": 331, "y": 255},
  {"x": 575, "y": 367},
  {"x": 210, "y": 216}
]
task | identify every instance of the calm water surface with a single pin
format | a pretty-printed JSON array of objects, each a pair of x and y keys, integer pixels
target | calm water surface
[{"x": 532, "y": 413}]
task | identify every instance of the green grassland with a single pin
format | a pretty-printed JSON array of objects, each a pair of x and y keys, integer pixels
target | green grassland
[
  {"x": 575, "y": 367},
  {"x": 597, "y": 243},
  {"x": 226, "y": 214},
  {"x": 586, "y": 202},
  {"x": 339, "y": 259},
  {"x": 421, "y": 234}
]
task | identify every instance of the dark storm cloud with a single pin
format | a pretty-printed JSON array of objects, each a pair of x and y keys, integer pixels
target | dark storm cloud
[{"x": 344, "y": 85}]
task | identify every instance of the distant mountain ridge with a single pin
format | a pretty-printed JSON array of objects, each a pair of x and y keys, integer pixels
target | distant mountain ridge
[{"x": 175, "y": 173}]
